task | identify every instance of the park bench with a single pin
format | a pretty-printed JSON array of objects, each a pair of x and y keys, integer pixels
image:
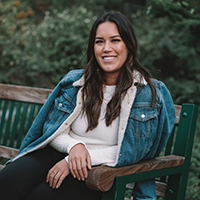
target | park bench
[{"x": 19, "y": 105}]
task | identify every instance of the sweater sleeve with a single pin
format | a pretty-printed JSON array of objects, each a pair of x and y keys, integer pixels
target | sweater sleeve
[
  {"x": 104, "y": 156},
  {"x": 63, "y": 142}
]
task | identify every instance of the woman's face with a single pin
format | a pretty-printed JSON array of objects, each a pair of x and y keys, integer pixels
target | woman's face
[{"x": 110, "y": 51}]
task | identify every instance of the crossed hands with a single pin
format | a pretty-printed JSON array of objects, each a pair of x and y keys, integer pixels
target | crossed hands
[{"x": 78, "y": 162}]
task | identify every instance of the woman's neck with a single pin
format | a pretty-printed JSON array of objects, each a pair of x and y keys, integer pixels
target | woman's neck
[{"x": 110, "y": 80}]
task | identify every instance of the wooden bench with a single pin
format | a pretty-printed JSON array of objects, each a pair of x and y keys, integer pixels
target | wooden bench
[{"x": 19, "y": 105}]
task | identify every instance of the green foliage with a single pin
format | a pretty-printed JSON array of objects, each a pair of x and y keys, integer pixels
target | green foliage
[
  {"x": 170, "y": 47},
  {"x": 193, "y": 186},
  {"x": 41, "y": 40},
  {"x": 41, "y": 54}
]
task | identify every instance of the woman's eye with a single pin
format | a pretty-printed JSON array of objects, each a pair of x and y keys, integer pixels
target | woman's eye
[
  {"x": 116, "y": 40},
  {"x": 98, "y": 41}
]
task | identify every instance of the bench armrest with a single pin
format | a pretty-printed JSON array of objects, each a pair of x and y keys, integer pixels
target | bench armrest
[{"x": 101, "y": 178}]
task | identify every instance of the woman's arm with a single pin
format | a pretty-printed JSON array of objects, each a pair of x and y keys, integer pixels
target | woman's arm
[
  {"x": 103, "y": 156},
  {"x": 63, "y": 142}
]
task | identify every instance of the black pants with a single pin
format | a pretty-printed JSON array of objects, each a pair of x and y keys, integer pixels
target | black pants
[{"x": 25, "y": 179}]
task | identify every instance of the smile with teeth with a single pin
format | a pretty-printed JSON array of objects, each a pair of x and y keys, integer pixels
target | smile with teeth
[{"x": 109, "y": 58}]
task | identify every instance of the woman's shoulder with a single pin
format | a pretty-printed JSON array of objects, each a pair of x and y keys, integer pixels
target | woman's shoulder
[
  {"x": 72, "y": 76},
  {"x": 159, "y": 84},
  {"x": 74, "y": 73},
  {"x": 163, "y": 93},
  {"x": 144, "y": 93}
]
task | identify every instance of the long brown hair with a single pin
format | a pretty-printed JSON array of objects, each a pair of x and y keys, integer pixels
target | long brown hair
[{"x": 93, "y": 90}]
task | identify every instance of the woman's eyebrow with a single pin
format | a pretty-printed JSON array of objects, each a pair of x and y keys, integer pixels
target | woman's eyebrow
[
  {"x": 115, "y": 36},
  {"x": 98, "y": 37}
]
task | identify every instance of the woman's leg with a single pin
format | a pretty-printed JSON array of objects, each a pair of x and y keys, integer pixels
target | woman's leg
[
  {"x": 70, "y": 189},
  {"x": 21, "y": 176}
]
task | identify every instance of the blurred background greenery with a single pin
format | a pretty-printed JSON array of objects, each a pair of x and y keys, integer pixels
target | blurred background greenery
[{"x": 41, "y": 40}]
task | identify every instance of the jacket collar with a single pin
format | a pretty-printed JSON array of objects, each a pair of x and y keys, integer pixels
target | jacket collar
[{"x": 138, "y": 78}]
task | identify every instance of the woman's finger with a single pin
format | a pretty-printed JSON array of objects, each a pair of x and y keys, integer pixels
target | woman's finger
[
  {"x": 59, "y": 182},
  {"x": 80, "y": 167},
  {"x": 50, "y": 174},
  {"x": 89, "y": 161},
  {"x": 73, "y": 170},
  {"x": 84, "y": 169},
  {"x": 56, "y": 179},
  {"x": 57, "y": 174}
]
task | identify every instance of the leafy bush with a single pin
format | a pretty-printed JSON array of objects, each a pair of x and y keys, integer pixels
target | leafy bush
[
  {"x": 193, "y": 186},
  {"x": 170, "y": 47},
  {"x": 41, "y": 54}
]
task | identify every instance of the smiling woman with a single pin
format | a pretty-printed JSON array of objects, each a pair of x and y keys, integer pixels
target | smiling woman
[
  {"x": 110, "y": 51},
  {"x": 111, "y": 113}
]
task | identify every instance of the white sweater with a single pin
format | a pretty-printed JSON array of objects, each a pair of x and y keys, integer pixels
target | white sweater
[{"x": 101, "y": 142}]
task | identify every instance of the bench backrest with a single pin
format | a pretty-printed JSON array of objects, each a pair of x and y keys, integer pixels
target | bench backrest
[{"x": 18, "y": 107}]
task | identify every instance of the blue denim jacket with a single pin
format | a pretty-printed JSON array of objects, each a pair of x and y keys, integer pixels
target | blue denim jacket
[{"x": 143, "y": 131}]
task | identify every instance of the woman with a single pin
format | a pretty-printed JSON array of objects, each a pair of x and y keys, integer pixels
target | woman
[{"x": 111, "y": 113}]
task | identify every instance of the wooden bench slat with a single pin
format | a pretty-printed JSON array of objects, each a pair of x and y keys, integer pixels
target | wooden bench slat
[
  {"x": 15, "y": 123},
  {"x": 23, "y": 93},
  {"x": 3, "y": 115},
  {"x": 31, "y": 116},
  {"x": 101, "y": 178},
  {"x": 178, "y": 112},
  {"x": 8, "y": 152},
  {"x": 22, "y": 125},
  {"x": 160, "y": 189}
]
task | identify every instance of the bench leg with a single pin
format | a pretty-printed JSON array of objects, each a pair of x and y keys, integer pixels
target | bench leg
[
  {"x": 173, "y": 191},
  {"x": 117, "y": 192}
]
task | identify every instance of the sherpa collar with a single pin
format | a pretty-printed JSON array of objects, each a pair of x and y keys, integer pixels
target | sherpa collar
[{"x": 138, "y": 78}]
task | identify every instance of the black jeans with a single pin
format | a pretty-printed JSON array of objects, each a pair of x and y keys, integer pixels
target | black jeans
[{"x": 25, "y": 179}]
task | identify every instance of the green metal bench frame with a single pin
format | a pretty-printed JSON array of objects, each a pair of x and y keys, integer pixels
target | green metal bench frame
[
  {"x": 173, "y": 168},
  {"x": 19, "y": 105}
]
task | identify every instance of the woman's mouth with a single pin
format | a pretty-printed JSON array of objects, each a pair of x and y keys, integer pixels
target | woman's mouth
[{"x": 109, "y": 57}]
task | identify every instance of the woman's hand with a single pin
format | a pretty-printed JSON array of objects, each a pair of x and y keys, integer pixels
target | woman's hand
[
  {"x": 57, "y": 174},
  {"x": 79, "y": 160}
]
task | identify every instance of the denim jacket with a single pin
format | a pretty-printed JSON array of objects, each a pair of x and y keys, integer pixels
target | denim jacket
[{"x": 143, "y": 131}]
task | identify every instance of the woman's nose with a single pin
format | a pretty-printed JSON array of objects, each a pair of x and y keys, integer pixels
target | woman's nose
[{"x": 107, "y": 47}]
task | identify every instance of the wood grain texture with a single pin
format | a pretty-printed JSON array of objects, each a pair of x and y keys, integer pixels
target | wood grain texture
[
  {"x": 160, "y": 189},
  {"x": 101, "y": 178},
  {"x": 25, "y": 94},
  {"x": 178, "y": 112},
  {"x": 8, "y": 152}
]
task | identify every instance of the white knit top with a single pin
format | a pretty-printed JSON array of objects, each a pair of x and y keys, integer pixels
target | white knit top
[{"x": 101, "y": 142}]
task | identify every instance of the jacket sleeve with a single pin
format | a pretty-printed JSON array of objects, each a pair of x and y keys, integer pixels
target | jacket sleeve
[
  {"x": 35, "y": 130},
  {"x": 167, "y": 117}
]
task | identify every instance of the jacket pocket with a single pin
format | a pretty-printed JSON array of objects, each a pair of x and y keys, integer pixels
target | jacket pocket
[
  {"x": 62, "y": 107},
  {"x": 144, "y": 121}
]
